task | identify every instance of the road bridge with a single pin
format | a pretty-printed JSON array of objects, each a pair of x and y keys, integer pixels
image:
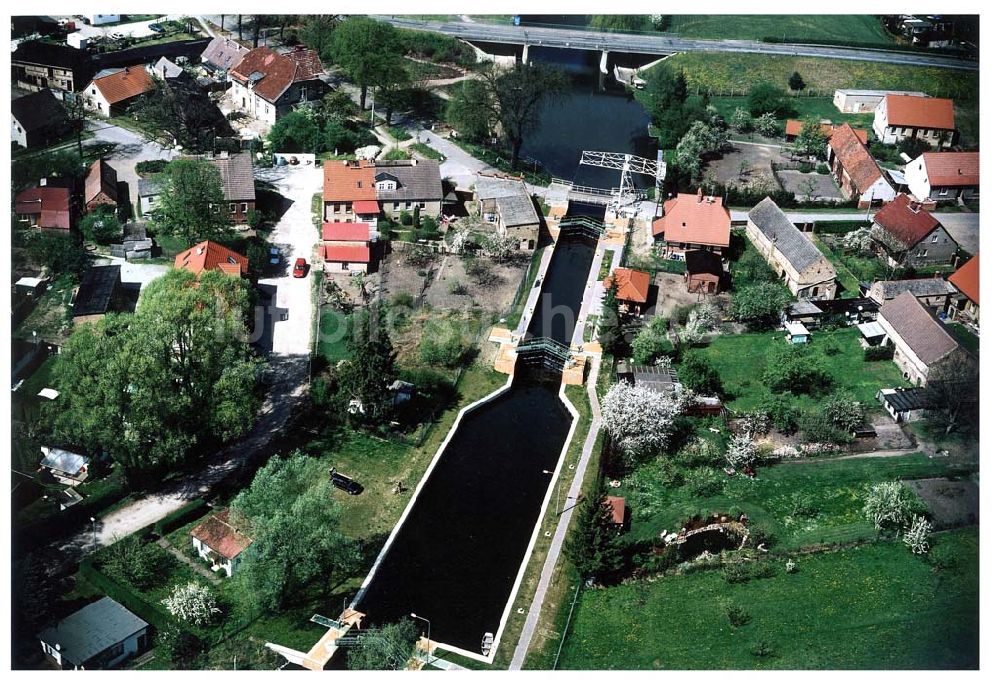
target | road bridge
[{"x": 653, "y": 44}]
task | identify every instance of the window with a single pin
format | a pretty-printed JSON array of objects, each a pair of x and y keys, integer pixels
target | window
[
  {"x": 343, "y": 265},
  {"x": 395, "y": 206},
  {"x": 231, "y": 259},
  {"x": 943, "y": 192},
  {"x": 232, "y": 207},
  {"x": 243, "y": 207},
  {"x": 934, "y": 239}
]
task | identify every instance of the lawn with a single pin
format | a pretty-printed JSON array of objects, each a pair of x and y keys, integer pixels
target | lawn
[
  {"x": 805, "y": 107},
  {"x": 335, "y": 328},
  {"x": 876, "y": 606},
  {"x": 969, "y": 340},
  {"x": 801, "y": 504},
  {"x": 51, "y": 315},
  {"x": 848, "y": 281},
  {"x": 725, "y": 73},
  {"x": 741, "y": 360},
  {"x": 792, "y": 27},
  {"x": 869, "y": 268},
  {"x": 425, "y": 150}
]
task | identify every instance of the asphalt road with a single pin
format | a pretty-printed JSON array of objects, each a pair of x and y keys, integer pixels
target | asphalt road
[{"x": 662, "y": 45}]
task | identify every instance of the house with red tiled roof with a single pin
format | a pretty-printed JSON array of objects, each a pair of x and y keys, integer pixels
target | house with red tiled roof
[
  {"x": 692, "y": 222},
  {"x": 920, "y": 339},
  {"x": 111, "y": 93},
  {"x": 361, "y": 191},
  {"x": 944, "y": 176},
  {"x": 347, "y": 233},
  {"x": 348, "y": 190},
  {"x": 267, "y": 84},
  {"x": 793, "y": 128},
  {"x": 219, "y": 541},
  {"x": 209, "y": 256},
  {"x": 855, "y": 170},
  {"x": 46, "y": 206},
  {"x": 906, "y": 234},
  {"x": 339, "y": 257},
  {"x": 966, "y": 281},
  {"x": 632, "y": 289},
  {"x": 931, "y": 119},
  {"x": 100, "y": 186}
]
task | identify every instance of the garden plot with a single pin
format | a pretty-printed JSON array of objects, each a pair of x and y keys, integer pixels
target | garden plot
[
  {"x": 952, "y": 503},
  {"x": 748, "y": 165},
  {"x": 810, "y": 186}
]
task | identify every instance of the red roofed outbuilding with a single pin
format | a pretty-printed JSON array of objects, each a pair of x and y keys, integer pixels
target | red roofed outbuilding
[
  {"x": 693, "y": 222},
  {"x": 210, "y": 256},
  {"x": 112, "y": 93},
  {"x": 632, "y": 288},
  {"x": 906, "y": 234},
  {"x": 346, "y": 258},
  {"x": 100, "y": 186},
  {"x": 966, "y": 279},
  {"x": 45, "y": 207}
]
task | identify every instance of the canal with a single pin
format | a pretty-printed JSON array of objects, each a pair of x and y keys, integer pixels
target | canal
[{"x": 455, "y": 556}]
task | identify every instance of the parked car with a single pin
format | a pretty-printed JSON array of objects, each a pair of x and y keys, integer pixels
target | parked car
[
  {"x": 274, "y": 257},
  {"x": 343, "y": 482},
  {"x": 157, "y": 28},
  {"x": 300, "y": 268}
]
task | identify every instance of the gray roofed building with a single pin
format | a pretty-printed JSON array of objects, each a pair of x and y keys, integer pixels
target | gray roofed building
[
  {"x": 38, "y": 118},
  {"x": 90, "y": 637},
  {"x": 511, "y": 199},
  {"x": 416, "y": 180},
  {"x": 151, "y": 187},
  {"x": 165, "y": 69},
  {"x": 237, "y": 176},
  {"x": 922, "y": 288},
  {"x": 782, "y": 233},
  {"x": 921, "y": 340},
  {"x": 662, "y": 379},
  {"x": 97, "y": 291},
  {"x": 222, "y": 53}
]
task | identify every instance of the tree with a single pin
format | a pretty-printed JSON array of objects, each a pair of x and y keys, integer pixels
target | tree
[
  {"x": 317, "y": 32},
  {"x": 516, "y": 96},
  {"x": 148, "y": 387},
  {"x": 101, "y": 226},
  {"x": 395, "y": 86},
  {"x": 365, "y": 49},
  {"x": 889, "y": 505},
  {"x": 913, "y": 147},
  {"x": 466, "y": 113},
  {"x": 388, "y": 647},
  {"x": 653, "y": 341},
  {"x": 371, "y": 366},
  {"x": 441, "y": 344},
  {"x": 767, "y": 125},
  {"x": 296, "y": 132},
  {"x": 610, "y": 332},
  {"x": 953, "y": 391},
  {"x": 765, "y": 98},
  {"x": 741, "y": 453},
  {"x": 638, "y": 419},
  {"x": 782, "y": 412},
  {"x": 795, "y": 81},
  {"x": 697, "y": 374},
  {"x": 192, "y": 205},
  {"x": 499, "y": 247},
  {"x": 795, "y": 369},
  {"x": 58, "y": 254},
  {"x": 290, "y": 513},
  {"x": 593, "y": 545},
  {"x": 182, "y": 647},
  {"x": 192, "y": 602},
  {"x": 858, "y": 241},
  {"x": 811, "y": 140},
  {"x": 665, "y": 98},
  {"x": 761, "y": 304},
  {"x": 741, "y": 120},
  {"x": 180, "y": 107},
  {"x": 35, "y": 595},
  {"x": 133, "y": 562},
  {"x": 844, "y": 411},
  {"x": 703, "y": 319}
]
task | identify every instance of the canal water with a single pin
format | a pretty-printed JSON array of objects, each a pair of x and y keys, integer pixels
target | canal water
[{"x": 558, "y": 305}]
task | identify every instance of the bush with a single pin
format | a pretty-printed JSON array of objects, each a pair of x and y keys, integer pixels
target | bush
[
  {"x": 735, "y": 613},
  {"x": 181, "y": 646},
  {"x": 101, "y": 226},
  {"x": 880, "y": 353},
  {"x": 151, "y": 166},
  {"x": 652, "y": 342},
  {"x": 122, "y": 594},
  {"x": 762, "y": 649},
  {"x": 795, "y": 369},
  {"x": 740, "y": 573},
  {"x": 401, "y": 299},
  {"x": 783, "y": 414},
  {"x": 442, "y": 345},
  {"x": 133, "y": 561},
  {"x": 765, "y": 98},
  {"x": 704, "y": 482},
  {"x": 844, "y": 411},
  {"x": 406, "y": 218},
  {"x": 815, "y": 426},
  {"x": 697, "y": 374}
]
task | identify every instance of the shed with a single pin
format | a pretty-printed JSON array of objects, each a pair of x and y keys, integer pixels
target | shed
[
  {"x": 906, "y": 403},
  {"x": 797, "y": 333},
  {"x": 803, "y": 311},
  {"x": 662, "y": 379},
  {"x": 617, "y": 506},
  {"x": 97, "y": 636},
  {"x": 65, "y": 465},
  {"x": 872, "y": 333},
  {"x": 703, "y": 271},
  {"x": 30, "y": 286}
]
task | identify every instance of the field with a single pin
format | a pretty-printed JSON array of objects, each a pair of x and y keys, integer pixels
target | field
[
  {"x": 726, "y": 73},
  {"x": 877, "y": 606},
  {"x": 741, "y": 360},
  {"x": 791, "y": 27},
  {"x": 805, "y": 107}
]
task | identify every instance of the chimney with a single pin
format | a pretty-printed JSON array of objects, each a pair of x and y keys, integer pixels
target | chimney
[
  {"x": 699, "y": 195},
  {"x": 914, "y": 206},
  {"x": 414, "y": 162}
]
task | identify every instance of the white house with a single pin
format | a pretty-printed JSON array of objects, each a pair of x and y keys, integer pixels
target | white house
[
  {"x": 267, "y": 85},
  {"x": 919, "y": 338},
  {"x": 219, "y": 542},
  {"x": 931, "y": 119},
  {"x": 102, "y": 19},
  {"x": 861, "y": 101},
  {"x": 98, "y": 636},
  {"x": 944, "y": 176},
  {"x": 111, "y": 92}
]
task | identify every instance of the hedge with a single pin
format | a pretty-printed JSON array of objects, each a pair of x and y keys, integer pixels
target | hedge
[
  {"x": 123, "y": 595},
  {"x": 836, "y": 227},
  {"x": 40, "y": 532},
  {"x": 184, "y": 514}
]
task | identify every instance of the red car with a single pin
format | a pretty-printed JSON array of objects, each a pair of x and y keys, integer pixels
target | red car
[{"x": 299, "y": 270}]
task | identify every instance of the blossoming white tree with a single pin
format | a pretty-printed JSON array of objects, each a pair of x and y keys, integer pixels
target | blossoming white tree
[
  {"x": 192, "y": 602},
  {"x": 702, "y": 320},
  {"x": 741, "y": 452},
  {"x": 887, "y": 505},
  {"x": 499, "y": 247},
  {"x": 917, "y": 536},
  {"x": 639, "y": 419}
]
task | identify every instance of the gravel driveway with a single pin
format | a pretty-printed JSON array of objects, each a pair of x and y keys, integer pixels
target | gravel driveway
[{"x": 130, "y": 148}]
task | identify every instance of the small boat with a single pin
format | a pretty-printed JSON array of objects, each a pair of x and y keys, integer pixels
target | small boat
[{"x": 487, "y": 643}]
